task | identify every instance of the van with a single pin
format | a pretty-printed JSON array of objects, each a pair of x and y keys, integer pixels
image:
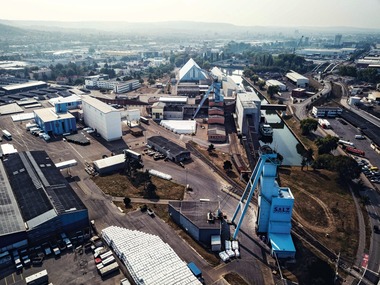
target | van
[{"x": 359, "y": 137}]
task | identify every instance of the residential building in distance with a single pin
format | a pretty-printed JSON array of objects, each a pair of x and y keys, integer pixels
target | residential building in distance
[
  {"x": 41, "y": 74},
  {"x": 102, "y": 82},
  {"x": 326, "y": 111},
  {"x": 103, "y": 118}
]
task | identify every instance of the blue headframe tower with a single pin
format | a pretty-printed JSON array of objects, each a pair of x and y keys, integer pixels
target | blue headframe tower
[{"x": 275, "y": 204}]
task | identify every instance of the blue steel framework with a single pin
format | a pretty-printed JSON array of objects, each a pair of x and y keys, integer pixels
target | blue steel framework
[{"x": 266, "y": 153}]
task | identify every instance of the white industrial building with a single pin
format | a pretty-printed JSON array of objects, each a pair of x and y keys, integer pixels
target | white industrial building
[
  {"x": 273, "y": 82},
  {"x": 248, "y": 104},
  {"x": 180, "y": 127},
  {"x": 103, "y": 118},
  {"x": 298, "y": 79},
  {"x": 191, "y": 72},
  {"x": 132, "y": 117},
  {"x": 102, "y": 82}
]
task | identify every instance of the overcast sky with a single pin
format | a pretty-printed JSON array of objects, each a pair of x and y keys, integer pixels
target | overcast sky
[{"x": 354, "y": 13}]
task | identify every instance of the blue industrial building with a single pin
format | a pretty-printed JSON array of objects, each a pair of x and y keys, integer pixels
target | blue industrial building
[
  {"x": 197, "y": 219},
  {"x": 57, "y": 120},
  {"x": 38, "y": 201},
  {"x": 275, "y": 205}
]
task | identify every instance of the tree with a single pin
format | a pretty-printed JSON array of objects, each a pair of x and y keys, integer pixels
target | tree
[
  {"x": 273, "y": 89},
  {"x": 141, "y": 81},
  {"x": 308, "y": 125},
  {"x": 227, "y": 165},
  {"x": 151, "y": 81},
  {"x": 327, "y": 144},
  {"x": 261, "y": 84},
  {"x": 255, "y": 78},
  {"x": 211, "y": 147},
  {"x": 346, "y": 167},
  {"x": 91, "y": 50},
  {"x": 150, "y": 189},
  {"x": 127, "y": 201}
]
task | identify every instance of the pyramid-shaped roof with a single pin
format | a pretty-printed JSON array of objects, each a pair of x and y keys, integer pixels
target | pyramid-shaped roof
[{"x": 192, "y": 72}]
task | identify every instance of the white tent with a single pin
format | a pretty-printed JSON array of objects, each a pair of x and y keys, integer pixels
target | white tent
[{"x": 180, "y": 127}]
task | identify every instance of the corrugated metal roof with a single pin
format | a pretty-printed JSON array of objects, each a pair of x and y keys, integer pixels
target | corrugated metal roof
[
  {"x": 10, "y": 218},
  {"x": 148, "y": 259}
]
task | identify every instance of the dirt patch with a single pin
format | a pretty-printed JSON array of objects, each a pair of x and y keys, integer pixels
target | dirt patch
[
  {"x": 309, "y": 268},
  {"x": 218, "y": 158},
  {"x": 235, "y": 279},
  {"x": 120, "y": 186},
  {"x": 322, "y": 206}
]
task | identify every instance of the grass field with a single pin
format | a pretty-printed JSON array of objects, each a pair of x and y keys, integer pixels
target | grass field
[{"x": 324, "y": 207}]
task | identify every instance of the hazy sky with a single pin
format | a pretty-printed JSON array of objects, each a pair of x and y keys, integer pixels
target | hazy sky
[{"x": 355, "y": 13}]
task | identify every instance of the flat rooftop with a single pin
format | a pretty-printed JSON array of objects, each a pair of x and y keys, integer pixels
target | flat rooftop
[
  {"x": 10, "y": 218},
  {"x": 173, "y": 99},
  {"x": 197, "y": 211},
  {"x": 109, "y": 161},
  {"x": 39, "y": 187},
  {"x": 282, "y": 242},
  {"x": 24, "y": 85},
  {"x": 49, "y": 114},
  {"x": 97, "y": 104},
  {"x": 174, "y": 148}
]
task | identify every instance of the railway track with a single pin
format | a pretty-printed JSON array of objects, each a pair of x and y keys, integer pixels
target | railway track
[{"x": 297, "y": 229}]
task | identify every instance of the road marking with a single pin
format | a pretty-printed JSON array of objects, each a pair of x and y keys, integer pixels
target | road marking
[
  {"x": 6, "y": 282},
  {"x": 13, "y": 276},
  {"x": 75, "y": 150}
]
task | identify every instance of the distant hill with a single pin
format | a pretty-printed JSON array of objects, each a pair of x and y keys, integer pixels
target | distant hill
[
  {"x": 173, "y": 27},
  {"x": 6, "y": 30}
]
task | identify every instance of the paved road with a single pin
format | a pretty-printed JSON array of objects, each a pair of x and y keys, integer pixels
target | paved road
[
  {"x": 300, "y": 108},
  {"x": 369, "y": 117},
  {"x": 373, "y": 209}
]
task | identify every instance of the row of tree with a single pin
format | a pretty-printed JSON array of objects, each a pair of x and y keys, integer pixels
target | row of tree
[
  {"x": 345, "y": 166},
  {"x": 365, "y": 74}
]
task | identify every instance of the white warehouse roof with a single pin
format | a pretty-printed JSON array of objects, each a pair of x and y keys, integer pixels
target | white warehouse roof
[
  {"x": 109, "y": 161},
  {"x": 173, "y": 99},
  {"x": 274, "y": 82},
  {"x": 148, "y": 259},
  {"x": 295, "y": 76},
  {"x": 179, "y": 126},
  {"x": 99, "y": 105}
]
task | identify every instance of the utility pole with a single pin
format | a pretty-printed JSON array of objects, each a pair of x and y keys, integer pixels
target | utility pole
[{"x": 336, "y": 268}]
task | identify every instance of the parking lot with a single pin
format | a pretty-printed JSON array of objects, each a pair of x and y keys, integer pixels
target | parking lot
[
  {"x": 347, "y": 132},
  {"x": 70, "y": 268}
]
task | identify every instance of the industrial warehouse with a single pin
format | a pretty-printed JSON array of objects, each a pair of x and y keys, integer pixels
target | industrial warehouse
[
  {"x": 39, "y": 201},
  {"x": 171, "y": 150},
  {"x": 199, "y": 218}
]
